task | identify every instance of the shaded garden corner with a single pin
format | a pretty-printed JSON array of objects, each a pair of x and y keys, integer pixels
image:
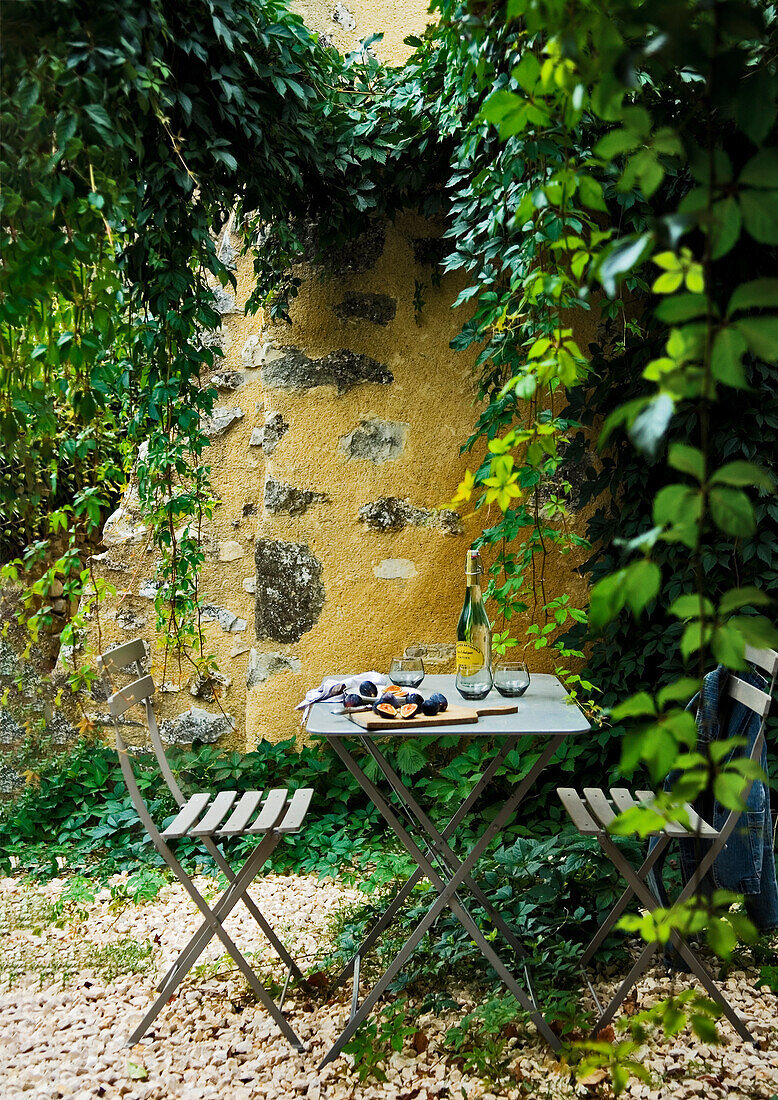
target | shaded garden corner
[{"x": 291, "y": 315}]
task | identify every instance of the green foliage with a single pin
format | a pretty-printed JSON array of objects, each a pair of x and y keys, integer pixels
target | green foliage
[
  {"x": 606, "y": 174},
  {"x": 482, "y": 1038},
  {"x": 622, "y": 1057},
  {"x": 131, "y": 136},
  {"x": 621, "y": 154},
  {"x": 375, "y": 1041},
  {"x": 554, "y": 892},
  {"x": 76, "y": 811}
]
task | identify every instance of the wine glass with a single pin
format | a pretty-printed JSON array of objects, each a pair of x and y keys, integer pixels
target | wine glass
[
  {"x": 406, "y": 671},
  {"x": 474, "y": 683},
  {"x": 511, "y": 678}
]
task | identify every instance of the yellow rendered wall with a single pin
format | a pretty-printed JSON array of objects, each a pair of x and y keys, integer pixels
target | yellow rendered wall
[{"x": 383, "y": 590}]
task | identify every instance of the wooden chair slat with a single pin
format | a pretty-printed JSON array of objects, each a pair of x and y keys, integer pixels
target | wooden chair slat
[
  {"x": 622, "y": 799},
  {"x": 672, "y": 828},
  {"x": 270, "y": 813},
  {"x": 698, "y": 826},
  {"x": 766, "y": 659},
  {"x": 122, "y": 655},
  {"x": 599, "y": 806},
  {"x": 217, "y": 811},
  {"x": 241, "y": 815},
  {"x": 126, "y": 697},
  {"x": 750, "y": 696},
  {"x": 577, "y": 811},
  {"x": 298, "y": 808},
  {"x": 187, "y": 815}
]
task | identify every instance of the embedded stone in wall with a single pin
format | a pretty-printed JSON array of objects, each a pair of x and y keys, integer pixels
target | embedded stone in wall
[
  {"x": 209, "y": 687},
  {"x": 343, "y": 17},
  {"x": 354, "y": 257},
  {"x": 105, "y": 561},
  {"x": 227, "y": 620},
  {"x": 433, "y": 653},
  {"x": 392, "y": 514},
  {"x": 10, "y": 730},
  {"x": 256, "y": 352},
  {"x": 375, "y": 440},
  {"x": 9, "y": 662},
  {"x": 221, "y": 419},
  {"x": 229, "y": 551},
  {"x": 379, "y": 309},
  {"x": 196, "y": 724},
  {"x": 130, "y": 622},
  {"x": 343, "y": 369},
  {"x": 227, "y": 254},
  {"x": 212, "y": 338},
  {"x": 392, "y": 569},
  {"x": 290, "y": 594},
  {"x": 227, "y": 380},
  {"x": 430, "y": 251},
  {"x": 124, "y": 525},
  {"x": 223, "y": 301},
  {"x": 148, "y": 590},
  {"x": 285, "y": 498},
  {"x": 10, "y": 779},
  {"x": 262, "y": 666},
  {"x": 270, "y": 434}
]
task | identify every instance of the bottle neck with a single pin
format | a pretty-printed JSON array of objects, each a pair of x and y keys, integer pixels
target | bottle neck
[{"x": 473, "y": 587}]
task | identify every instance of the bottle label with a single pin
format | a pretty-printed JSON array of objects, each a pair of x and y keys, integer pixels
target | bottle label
[{"x": 469, "y": 659}]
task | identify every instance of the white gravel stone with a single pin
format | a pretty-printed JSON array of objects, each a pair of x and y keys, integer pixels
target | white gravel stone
[{"x": 212, "y": 1042}]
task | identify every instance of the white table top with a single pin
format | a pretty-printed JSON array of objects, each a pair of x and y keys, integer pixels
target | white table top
[{"x": 546, "y": 708}]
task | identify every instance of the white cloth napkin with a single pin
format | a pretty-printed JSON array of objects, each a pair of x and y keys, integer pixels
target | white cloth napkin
[{"x": 336, "y": 688}]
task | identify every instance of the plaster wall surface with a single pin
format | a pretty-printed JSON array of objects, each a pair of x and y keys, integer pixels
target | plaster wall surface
[{"x": 334, "y": 449}]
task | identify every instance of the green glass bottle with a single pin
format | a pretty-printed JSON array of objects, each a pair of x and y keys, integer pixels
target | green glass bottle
[{"x": 474, "y": 632}]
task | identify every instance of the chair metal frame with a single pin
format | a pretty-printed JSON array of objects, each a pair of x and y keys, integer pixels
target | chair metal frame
[
  {"x": 592, "y": 815},
  {"x": 202, "y": 815}
]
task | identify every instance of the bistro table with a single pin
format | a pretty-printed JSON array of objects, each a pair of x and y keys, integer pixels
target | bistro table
[{"x": 547, "y": 713}]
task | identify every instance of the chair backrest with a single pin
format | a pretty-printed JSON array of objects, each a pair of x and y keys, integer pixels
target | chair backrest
[
  {"x": 759, "y": 701},
  {"x": 766, "y": 660},
  {"x": 139, "y": 692}
]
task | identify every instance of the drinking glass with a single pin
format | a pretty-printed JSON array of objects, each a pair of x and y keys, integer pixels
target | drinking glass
[
  {"x": 511, "y": 678},
  {"x": 406, "y": 671},
  {"x": 474, "y": 685}
]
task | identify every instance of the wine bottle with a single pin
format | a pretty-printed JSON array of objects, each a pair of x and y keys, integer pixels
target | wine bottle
[{"x": 474, "y": 632}]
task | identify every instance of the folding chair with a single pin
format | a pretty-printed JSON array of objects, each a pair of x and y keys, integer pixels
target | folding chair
[
  {"x": 204, "y": 815},
  {"x": 594, "y": 812}
]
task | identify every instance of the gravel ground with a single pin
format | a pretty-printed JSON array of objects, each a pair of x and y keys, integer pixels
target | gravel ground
[{"x": 64, "y": 1016}]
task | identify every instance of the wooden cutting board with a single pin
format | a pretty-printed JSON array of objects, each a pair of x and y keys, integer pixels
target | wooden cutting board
[{"x": 452, "y": 716}]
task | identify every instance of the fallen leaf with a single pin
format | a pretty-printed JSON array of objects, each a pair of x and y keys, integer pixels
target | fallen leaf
[
  {"x": 419, "y": 1042},
  {"x": 607, "y": 1034},
  {"x": 320, "y": 979},
  {"x": 593, "y": 1079},
  {"x": 136, "y": 1071}
]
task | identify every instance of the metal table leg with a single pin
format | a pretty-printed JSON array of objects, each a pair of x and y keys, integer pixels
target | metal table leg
[
  {"x": 447, "y": 895},
  {"x": 440, "y": 847},
  {"x": 388, "y": 916}
]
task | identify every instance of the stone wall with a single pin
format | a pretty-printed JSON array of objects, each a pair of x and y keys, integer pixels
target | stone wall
[
  {"x": 334, "y": 449},
  {"x": 334, "y": 445}
]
